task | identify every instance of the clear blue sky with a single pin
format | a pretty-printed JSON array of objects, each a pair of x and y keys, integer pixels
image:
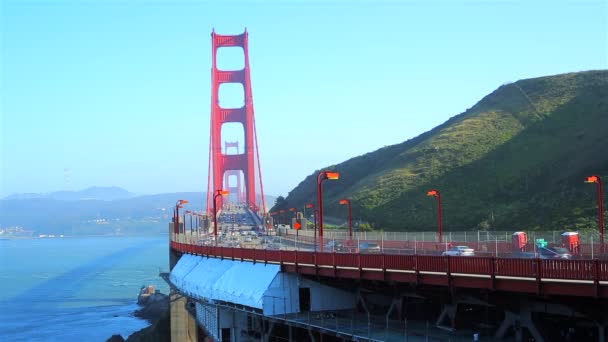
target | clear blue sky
[{"x": 106, "y": 93}]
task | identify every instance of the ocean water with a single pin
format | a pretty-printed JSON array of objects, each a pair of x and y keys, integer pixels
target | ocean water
[{"x": 76, "y": 289}]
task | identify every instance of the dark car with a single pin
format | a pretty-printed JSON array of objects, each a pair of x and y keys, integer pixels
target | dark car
[
  {"x": 554, "y": 253},
  {"x": 369, "y": 247}
]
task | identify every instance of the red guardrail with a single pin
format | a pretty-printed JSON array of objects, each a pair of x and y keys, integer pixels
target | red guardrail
[
  {"x": 553, "y": 269},
  {"x": 568, "y": 269},
  {"x": 347, "y": 260},
  {"x": 515, "y": 267},
  {"x": 472, "y": 265},
  {"x": 432, "y": 263},
  {"x": 603, "y": 270}
]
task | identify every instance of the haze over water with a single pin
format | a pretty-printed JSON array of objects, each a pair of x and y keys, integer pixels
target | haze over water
[{"x": 76, "y": 289}]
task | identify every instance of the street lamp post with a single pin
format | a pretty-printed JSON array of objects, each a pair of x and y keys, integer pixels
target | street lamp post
[
  {"x": 600, "y": 206},
  {"x": 323, "y": 175},
  {"x": 274, "y": 215},
  {"x": 436, "y": 193},
  {"x": 188, "y": 212},
  {"x": 350, "y": 216},
  {"x": 218, "y": 193},
  {"x": 178, "y": 204},
  {"x": 281, "y": 216},
  {"x": 314, "y": 215},
  {"x": 295, "y": 216}
]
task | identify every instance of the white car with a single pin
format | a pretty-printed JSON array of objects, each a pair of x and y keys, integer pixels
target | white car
[{"x": 459, "y": 251}]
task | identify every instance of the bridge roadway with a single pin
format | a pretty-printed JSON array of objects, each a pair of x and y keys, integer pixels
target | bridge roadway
[
  {"x": 586, "y": 278},
  {"x": 512, "y": 289}
]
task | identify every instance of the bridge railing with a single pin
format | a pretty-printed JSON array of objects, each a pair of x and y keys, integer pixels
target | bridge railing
[
  {"x": 553, "y": 236},
  {"x": 576, "y": 270},
  {"x": 382, "y": 243}
]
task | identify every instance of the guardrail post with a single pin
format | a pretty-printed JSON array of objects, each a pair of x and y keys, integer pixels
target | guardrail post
[
  {"x": 359, "y": 264},
  {"x": 384, "y": 267},
  {"x": 333, "y": 262},
  {"x": 493, "y": 272},
  {"x": 416, "y": 269},
  {"x": 449, "y": 273},
  {"x": 596, "y": 277},
  {"x": 538, "y": 276}
]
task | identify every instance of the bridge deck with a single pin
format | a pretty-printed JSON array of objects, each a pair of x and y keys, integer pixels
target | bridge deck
[{"x": 587, "y": 278}]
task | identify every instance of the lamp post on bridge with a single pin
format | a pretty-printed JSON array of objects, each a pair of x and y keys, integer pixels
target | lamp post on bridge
[
  {"x": 218, "y": 193},
  {"x": 179, "y": 204},
  {"x": 323, "y": 175},
  {"x": 600, "y": 207},
  {"x": 188, "y": 212},
  {"x": 436, "y": 193},
  {"x": 314, "y": 215},
  {"x": 350, "y": 216},
  {"x": 295, "y": 216},
  {"x": 275, "y": 219}
]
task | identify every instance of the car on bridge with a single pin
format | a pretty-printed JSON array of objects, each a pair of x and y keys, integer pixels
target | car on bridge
[
  {"x": 554, "y": 253},
  {"x": 369, "y": 247},
  {"x": 459, "y": 251}
]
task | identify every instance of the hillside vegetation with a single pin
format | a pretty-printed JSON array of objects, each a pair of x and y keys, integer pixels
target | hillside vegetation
[{"x": 515, "y": 160}]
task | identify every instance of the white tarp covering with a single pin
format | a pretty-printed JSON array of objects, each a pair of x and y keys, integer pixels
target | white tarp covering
[
  {"x": 236, "y": 282},
  {"x": 186, "y": 263}
]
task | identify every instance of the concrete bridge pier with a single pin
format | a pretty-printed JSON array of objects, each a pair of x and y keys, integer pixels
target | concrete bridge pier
[
  {"x": 268, "y": 333},
  {"x": 601, "y": 331},
  {"x": 449, "y": 311},
  {"x": 310, "y": 334},
  {"x": 518, "y": 322},
  {"x": 183, "y": 325}
]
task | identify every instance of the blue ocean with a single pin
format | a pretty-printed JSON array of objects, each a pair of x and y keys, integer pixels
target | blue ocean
[{"x": 76, "y": 289}]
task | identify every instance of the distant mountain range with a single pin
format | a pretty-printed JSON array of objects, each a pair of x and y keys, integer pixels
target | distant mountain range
[
  {"x": 92, "y": 193},
  {"x": 516, "y": 160},
  {"x": 96, "y": 210}
]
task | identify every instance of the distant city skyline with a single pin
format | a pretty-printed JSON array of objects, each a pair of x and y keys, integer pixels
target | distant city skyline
[{"x": 117, "y": 93}]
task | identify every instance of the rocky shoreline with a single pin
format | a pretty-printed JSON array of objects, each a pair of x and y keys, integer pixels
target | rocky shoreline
[{"x": 155, "y": 309}]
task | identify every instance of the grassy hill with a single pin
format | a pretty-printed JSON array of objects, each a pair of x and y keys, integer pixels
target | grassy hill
[{"x": 515, "y": 160}]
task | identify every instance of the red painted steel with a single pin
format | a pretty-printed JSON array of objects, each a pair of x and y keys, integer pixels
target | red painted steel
[
  {"x": 603, "y": 270},
  {"x": 474, "y": 265},
  {"x": 400, "y": 262},
  {"x": 245, "y": 162},
  {"x": 392, "y": 267},
  {"x": 371, "y": 261},
  {"x": 516, "y": 267},
  {"x": 306, "y": 258},
  {"x": 432, "y": 263},
  {"x": 324, "y": 259},
  {"x": 347, "y": 260},
  {"x": 568, "y": 269}
]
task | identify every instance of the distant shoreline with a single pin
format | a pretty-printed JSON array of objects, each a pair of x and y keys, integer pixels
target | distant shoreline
[{"x": 6, "y": 238}]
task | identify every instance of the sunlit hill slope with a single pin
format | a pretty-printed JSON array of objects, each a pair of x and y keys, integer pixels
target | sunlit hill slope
[{"x": 515, "y": 160}]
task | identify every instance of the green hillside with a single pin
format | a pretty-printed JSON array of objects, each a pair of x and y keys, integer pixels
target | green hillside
[{"x": 515, "y": 160}]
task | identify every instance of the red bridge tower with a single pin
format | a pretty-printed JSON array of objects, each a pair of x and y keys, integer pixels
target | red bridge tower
[{"x": 224, "y": 165}]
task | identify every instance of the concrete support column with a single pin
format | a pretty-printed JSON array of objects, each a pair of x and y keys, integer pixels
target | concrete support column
[
  {"x": 361, "y": 299},
  {"x": 518, "y": 322},
  {"x": 266, "y": 335},
  {"x": 601, "y": 332},
  {"x": 312, "y": 337},
  {"x": 449, "y": 311},
  {"x": 183, "y": 325}
]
